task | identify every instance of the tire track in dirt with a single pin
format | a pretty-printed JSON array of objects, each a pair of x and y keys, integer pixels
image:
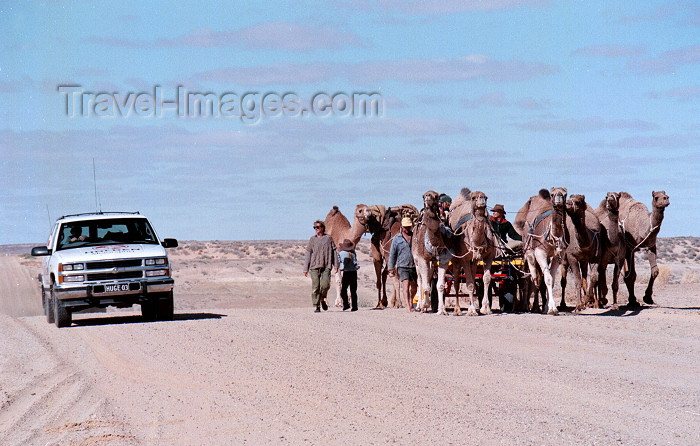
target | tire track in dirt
[
  {"x": 54, "y": 403},
  {"x": 19, "y": 288},
  {"x": 129, "y": 368}
]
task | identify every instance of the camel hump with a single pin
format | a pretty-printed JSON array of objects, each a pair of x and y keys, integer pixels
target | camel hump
[
  {"x": 521, "y": 217},
  {"x": 463, "y": 197},
  {"x": 626, "y": 195},
  {"x": 544, "y": 193}
]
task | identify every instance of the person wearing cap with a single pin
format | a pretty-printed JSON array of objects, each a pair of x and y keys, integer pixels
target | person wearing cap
[
  {"x": 401, "y": 262},
  {"x": 444, "y": 203},
  {"x": 347, "y": 263},
  {"x": 320, "y": 259},
  {"x": 504, "y": 228}
]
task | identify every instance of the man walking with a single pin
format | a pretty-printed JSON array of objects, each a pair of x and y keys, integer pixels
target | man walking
[
  {"x": 347, "y": 261},
  {"x": 320, "y": 259},
  {"x": 401, "y": 259}
]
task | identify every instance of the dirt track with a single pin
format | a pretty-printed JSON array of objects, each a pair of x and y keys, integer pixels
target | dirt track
[{"x": 288, "y": 376}]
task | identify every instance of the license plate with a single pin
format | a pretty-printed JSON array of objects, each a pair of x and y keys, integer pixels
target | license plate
[{"x": 116, "y": 287}]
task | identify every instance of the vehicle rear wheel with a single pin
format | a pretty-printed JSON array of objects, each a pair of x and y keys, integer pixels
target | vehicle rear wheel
[
  {"x": 165, "y": 307},
  {"x": 62, "y": 316},
  {"x": 48, "y": 304}
]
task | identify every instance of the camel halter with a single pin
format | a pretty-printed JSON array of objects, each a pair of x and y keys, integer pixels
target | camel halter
[
  {"x": 477, "y": 251},
  {"x": 557, "y": 242},
  {"x": 651, "y": 231}
]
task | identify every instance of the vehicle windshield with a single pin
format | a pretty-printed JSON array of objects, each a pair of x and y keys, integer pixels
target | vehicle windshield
[{"x": 105, "y": 232}]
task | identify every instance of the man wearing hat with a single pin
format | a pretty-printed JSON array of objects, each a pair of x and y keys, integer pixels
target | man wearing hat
[
  {"x": 347, "y": 259},
  {"x": 401, "y": 259},
  {"x": 444, "y": 203},
  {"x": 504, "y": 228}
]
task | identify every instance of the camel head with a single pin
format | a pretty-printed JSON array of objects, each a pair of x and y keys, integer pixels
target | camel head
[
  {"x": 478, "y": 200},
  {"x": 576, "y": 205},
  {"x": 363, "y": 214},
  {"x": 430, "y": 200},
  {"x": 558, "y": 197},
  {"x": 659, "y": 199},
  {"x": 612, "y": 201}
]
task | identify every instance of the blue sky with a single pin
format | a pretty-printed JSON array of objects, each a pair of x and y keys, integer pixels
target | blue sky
[{"x": 503, "y": 96}]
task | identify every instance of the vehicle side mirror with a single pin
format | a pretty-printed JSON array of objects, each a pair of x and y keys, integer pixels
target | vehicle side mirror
[
  {"x": 169, "y": 243},
  {"x": 40, "y": 251}
]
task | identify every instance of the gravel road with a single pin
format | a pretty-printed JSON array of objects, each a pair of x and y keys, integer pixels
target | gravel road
[{"x": 289, "y": 376}]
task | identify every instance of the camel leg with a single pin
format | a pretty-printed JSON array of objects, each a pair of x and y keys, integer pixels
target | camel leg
[
  {"x": 616, "y": 284},
  {"x": 549, "y": 271},
  {"x": 585, "y": 297},
  {"x": 602, "y": 287},
  {"x": 381, "y": 283},
  {"x": 338, "y": 287},
  {"x": 575, "y": 268},
  {"x": 424, "y": 270},
  {"x": 441, "y": 289},
  {"x": 564, "y": 272},
  {"x": 485, "y": 302},
  {"x": 471, "y": 290},
  {"x": 535, "y": 286},
  {"x": 654, "y": 269},
  {"x": 592, "y": 286},
  {"x": 630, "y": 278},
  {"x": 456, "y": 266}
]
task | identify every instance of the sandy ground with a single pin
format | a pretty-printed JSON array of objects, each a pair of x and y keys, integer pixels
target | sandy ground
[{"x": 247, "y": 362}]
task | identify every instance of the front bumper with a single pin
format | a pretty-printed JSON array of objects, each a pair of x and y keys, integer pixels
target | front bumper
[{"x": 95, "y": 295}]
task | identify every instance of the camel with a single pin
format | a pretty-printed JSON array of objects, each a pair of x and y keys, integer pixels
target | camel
[
  {"x": 614, "y": 253},
  {"x": 338, "y": 228},
  {"x": 583, "y": 251},
  {"x": 476, "y": 242},
  {"x": 641, "y": 228},
  {"x": 429, "y": 245},
  {"x": 384, "y": 225},
  {"x": 541, "y": 222}
]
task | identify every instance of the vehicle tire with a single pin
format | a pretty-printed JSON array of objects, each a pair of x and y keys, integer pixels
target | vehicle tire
[
  {"x": 165, "y": 307},
  {"x": 48, "y": 306},
  {"x": 62, "y": 316},
  {"x": 148, "y": 310}
]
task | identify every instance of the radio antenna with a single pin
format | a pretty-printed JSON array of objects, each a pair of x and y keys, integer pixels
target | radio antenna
[
  {"x": 98, "y": 205},
  {"x": 49, "y": 215}
]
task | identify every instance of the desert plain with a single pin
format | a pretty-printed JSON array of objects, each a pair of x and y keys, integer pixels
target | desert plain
[{"x": 246, "y": 361}]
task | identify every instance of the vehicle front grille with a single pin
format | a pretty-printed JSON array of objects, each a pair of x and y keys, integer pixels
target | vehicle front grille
[
  {"x": 118, "y": 275},
  {"x": 113, "y": 264}
]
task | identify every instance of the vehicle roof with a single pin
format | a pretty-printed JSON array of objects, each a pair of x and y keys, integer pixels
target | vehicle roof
[{"x": 98, "y": 216}]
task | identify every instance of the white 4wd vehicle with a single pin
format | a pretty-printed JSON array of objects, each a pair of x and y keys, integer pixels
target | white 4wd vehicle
[{"x": 105, "y": 259}]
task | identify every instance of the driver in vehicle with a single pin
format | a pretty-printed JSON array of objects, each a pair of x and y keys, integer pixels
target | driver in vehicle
[
  {"x": 505, "y": 229},
  {"x": 76, "y": 234}
]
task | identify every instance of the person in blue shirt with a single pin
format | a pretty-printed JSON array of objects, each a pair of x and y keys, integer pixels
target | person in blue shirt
[
  {"x": 347, "y": 261},
  {"x": 401, "y": 261}
]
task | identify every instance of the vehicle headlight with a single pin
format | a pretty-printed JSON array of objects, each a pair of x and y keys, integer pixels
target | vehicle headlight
[
  {"x": 79, "y": 278},
  {"x": 158, "y": 261},
  {"x": 71, "y": 267}
]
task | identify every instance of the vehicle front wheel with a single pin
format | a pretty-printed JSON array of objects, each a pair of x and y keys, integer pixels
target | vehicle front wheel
[
  {"x": 148, "y": 310},
  {"x": 166, "y": 307},
  {"x": 48, "y": 304},
  {"x": 62, "y": 316}
]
